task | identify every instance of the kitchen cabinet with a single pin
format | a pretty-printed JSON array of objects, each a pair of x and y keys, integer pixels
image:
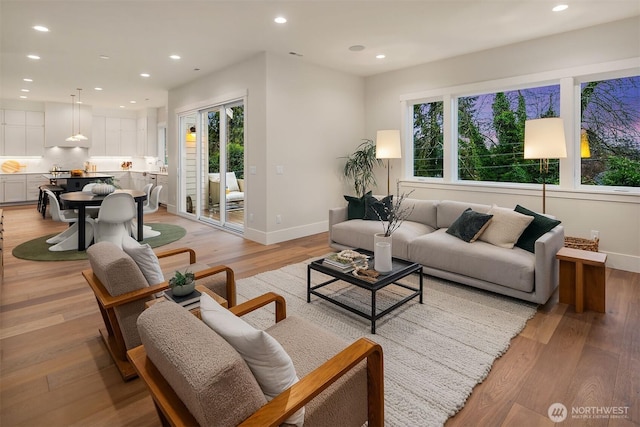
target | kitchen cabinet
[
  {"x": 128, "y": 135},
  {"x": 59, "y": 125},
  {"x": 34, "y": 181},
  {"x": 147, "y": 134},
  {"x": 98, "y": 133},
  {"x": 14, "y": 188},
  {"x": 120, "y": 136},
  {"x": 22, "y": 133},
  {"x": 164, "y": 193}
]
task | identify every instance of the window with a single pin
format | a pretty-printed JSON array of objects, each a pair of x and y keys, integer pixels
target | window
[
  {"x": 610, "y": 132},
  {"x": 428, "y": 140},
  {"x": 491, "y": 135}
]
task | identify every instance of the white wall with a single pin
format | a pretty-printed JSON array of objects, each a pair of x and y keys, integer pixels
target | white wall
[
  {"x": 616, "y": 217},
  {"x": 314, "y": 116}
]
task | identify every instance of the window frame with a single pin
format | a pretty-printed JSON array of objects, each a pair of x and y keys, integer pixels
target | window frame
[{"x": 569, "y": 81}]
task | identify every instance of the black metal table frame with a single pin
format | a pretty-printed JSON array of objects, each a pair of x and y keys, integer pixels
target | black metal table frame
[{"x": 392, "y": 278}]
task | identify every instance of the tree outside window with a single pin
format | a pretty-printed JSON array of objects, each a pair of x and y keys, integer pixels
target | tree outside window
[
  {"x": 610, "y": 128},
  {"x": 428, "y": 140},
  {"x": 491, "y": 135}
]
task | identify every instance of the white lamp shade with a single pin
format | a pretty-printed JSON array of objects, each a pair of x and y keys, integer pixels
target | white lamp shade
[
  {"x": 388, "y": 144},
  {"x": 544, "y": 139}
]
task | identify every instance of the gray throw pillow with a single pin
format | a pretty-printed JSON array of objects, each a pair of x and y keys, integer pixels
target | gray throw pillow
[{"x": 470, "y": 225}]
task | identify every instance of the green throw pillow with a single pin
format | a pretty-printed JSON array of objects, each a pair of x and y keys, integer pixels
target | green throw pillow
[
  {"x": 540, "y": 225},
  {"x": 469, "y": 225},
  {"x": 377, "y": 210},
  {"x": 356, "y": 206}
]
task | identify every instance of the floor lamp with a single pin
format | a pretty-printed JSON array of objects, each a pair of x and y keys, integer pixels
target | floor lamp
[
  {"x": 388, "y": 147},
  {"x": 544, "y": 140}
]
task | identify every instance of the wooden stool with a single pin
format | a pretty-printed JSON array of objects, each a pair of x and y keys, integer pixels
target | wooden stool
[
  {"x": 582, "y": 279},
  {"x": 43, "y": 199}
]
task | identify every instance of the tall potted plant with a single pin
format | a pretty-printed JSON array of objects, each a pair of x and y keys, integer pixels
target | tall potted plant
[{"x": 359, "y": 167}]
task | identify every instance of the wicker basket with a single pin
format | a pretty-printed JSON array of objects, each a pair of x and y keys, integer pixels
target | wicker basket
[{"x": 580, "y": 243}]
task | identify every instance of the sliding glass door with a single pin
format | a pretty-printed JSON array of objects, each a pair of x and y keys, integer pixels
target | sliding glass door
[{"x": 215, "y": 164}]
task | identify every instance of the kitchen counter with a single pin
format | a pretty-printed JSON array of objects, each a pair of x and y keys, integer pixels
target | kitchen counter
[{"x": 85, "y": 175}]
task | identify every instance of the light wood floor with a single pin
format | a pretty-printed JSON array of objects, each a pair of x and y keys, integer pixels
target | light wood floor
[{"x": 55, "y": 370}]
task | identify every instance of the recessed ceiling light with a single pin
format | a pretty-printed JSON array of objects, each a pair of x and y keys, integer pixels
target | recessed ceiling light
[
  {"x": 356, "y": 48},
  {"x": 132, "y": 102},
  {"x": 174, "y": 56},
  {"x": 33, "y": 56},
  {"x": 122, "y": 106},
  {"x": 24, "y": 90},
  {"x": 145, "y": 75},
  {"x": 41, "y": 28},
  {"x": 381, "y": 56},
  {"x": 23, "y": 97},
  {"x": 560, "y": 8},
  {"x": 27, "y": 80},
  {"x": 104, "y": 57},
  {"x": 97, "y": 88},
  {"x": 280, "y": 20}
]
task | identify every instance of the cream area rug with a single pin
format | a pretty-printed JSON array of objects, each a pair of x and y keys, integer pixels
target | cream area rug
[{"x": 434, "y": 353}]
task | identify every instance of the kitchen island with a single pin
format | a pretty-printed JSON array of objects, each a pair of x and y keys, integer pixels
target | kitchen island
[{"x": 76, "y": 183}]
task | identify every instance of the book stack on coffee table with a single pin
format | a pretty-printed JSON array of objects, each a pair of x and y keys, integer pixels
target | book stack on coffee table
[{"x": 187, "y": 301}]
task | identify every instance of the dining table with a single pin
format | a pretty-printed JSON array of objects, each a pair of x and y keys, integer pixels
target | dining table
[{"x": 81, "y": 199}]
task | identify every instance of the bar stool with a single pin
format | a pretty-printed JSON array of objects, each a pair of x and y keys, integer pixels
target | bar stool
[{"x": 43, "y": 198}]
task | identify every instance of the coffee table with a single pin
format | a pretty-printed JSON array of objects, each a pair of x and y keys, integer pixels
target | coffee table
[{"x": 401, "y": 269}]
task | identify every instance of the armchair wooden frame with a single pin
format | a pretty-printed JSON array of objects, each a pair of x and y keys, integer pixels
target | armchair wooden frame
[
  {"x": 173, "y": 412},
  {"x": 112, "y": 334}
]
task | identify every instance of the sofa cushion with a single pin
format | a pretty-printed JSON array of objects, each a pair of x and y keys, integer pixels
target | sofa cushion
[
  {"x": 358, "y": 233},
  {"x": 449, "y": 211},
  {"x": 505, "y": 227},
  {"x": 469, "y": 225},
  {"x": 328, "y": 408},
  {"x": 424, "y": 211},
  {"x": 271, "y": 365},
  {"x": 540, "y": 225},
  {"x": 356, "y": 206},
  {"x": 512, "y": 268},
  {"x": 377, "y": 210},
  {"x": 208, "y": 375}
]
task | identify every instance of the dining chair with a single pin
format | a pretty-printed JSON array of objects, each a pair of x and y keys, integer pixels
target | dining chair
[
  {"x": 147, "y": 190},
  {"x": 68, "y": 239},
  {"x": 114, "y": 218},
  {"x": 92, "y": 211},
  {"x": 152, "y": 206}
]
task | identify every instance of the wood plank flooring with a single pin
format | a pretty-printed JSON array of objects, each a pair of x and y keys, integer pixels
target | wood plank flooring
[{"x": 55, "y": 371}]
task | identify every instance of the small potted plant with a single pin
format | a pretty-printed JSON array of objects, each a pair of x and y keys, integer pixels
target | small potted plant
[{"x": 182, "y": 283}]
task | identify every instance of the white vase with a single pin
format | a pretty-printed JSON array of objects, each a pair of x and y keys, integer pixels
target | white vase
[{"x": 382, "y": 253}]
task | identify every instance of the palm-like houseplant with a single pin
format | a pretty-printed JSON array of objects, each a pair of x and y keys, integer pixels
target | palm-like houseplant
[{"x": 359, "y": 167}]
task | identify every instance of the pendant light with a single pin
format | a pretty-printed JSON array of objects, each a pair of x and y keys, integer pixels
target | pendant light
[
  {"x": 79, "y": 136},
  {"x": 72, "y": 138}
]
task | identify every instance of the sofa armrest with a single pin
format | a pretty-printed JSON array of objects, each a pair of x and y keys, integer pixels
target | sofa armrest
[
  {"x": 336, "y": 216},
  {"x": 286, "y": 403},
  {"x": 546, "y": 264}
]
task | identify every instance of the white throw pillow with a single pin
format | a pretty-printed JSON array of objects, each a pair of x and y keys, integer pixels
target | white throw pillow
[
  {"x": 505, "y": 227},
  {"x": 271, "y": 365},
  {"x": 146, "y": 259}
]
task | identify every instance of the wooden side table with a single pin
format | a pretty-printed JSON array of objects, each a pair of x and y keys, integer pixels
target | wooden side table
[
  {"x": 195, "y": 311},
  {"x": 582, "y": 279}
]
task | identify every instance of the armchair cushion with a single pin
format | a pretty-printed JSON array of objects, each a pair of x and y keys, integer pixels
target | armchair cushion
[
  {"x": 269, "y": 362},
  {"x": 146, "y": 259}
]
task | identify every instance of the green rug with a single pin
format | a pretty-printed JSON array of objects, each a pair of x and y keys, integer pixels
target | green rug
[{"x": 38, "y": 249}]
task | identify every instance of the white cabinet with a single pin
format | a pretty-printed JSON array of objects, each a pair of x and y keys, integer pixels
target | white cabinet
[
  {"x": 34, "y": 181},
  {"x": 98, "y": 133},
  {"x": 141, "y": 137},
  {"x": 120, "y": 137},
  {"x": 14, "y": 188},
  {"x": 128, "y": 135},
  {"x": 59, "y": 124},
  {"x": 22, "y": 133},
  {"x": 112, "y": 136},
  {"x": 147, "y": 134},
  {"x": 164, "y": 193}
]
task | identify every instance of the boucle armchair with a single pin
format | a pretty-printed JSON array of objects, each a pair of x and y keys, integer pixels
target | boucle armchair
[
  {"x": 196, "y": 377},
  {"x": 122, "y": 291}
]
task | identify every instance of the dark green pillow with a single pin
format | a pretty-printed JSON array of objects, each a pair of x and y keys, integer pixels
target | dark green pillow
[
  {"x": 377, "y": 210},
  {"x": 469, "y": 225},
  {"x": 541, "y": 224},
  {"x": 356, "y": 206}
]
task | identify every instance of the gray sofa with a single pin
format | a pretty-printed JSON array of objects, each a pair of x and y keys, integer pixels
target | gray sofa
[{"x": 422, "y": 238}]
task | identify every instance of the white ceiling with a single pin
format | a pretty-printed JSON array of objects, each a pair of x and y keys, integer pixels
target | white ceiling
[{"x": 139, "y": 36}]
